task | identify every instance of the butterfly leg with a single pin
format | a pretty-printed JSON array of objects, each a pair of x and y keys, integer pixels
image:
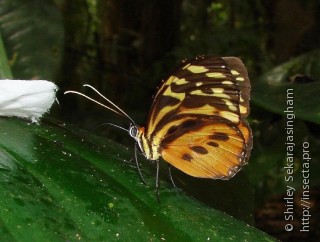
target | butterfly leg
[
  {"x": 170, "y": 176},
  {"x": 138, "y": 166},
  {"x": 157, "y": 181}
]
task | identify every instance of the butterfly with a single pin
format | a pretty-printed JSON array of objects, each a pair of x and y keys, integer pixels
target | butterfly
[{"x": 197, "y": 119}]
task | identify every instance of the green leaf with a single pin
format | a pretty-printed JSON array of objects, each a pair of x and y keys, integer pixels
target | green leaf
[
  {"x": 32, "y": 33},
  {"x": 302, "y": 74},
  {"x": 60, "y": 184},
  {"x": 272, "y": 131}
]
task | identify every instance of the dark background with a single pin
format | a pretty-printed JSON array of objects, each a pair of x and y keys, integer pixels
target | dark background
[{"x": 124, "y": 48}]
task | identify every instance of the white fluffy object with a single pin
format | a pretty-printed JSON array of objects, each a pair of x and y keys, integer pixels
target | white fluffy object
[{"x": 28, "y": 99}]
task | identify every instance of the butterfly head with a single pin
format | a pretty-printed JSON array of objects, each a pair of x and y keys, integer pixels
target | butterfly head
[
  {"x": 148, "y": 150},
  {"x": 136, "y": 133},
  {"x": 133, "y": 131}
]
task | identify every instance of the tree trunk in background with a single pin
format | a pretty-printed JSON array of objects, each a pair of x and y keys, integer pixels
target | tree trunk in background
[
  {"x": 134, "y": 35},
  {"x": 160, "y": 22},
  {"x": 292, "y": 20},
  {"x": 141, "y": 31},
  {"x": 76, "y": 66}
]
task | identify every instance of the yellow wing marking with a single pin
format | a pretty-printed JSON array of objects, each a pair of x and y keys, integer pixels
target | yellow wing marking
[
  {"x": 166, "y": 109},
  {"x": 240, "y": 79},
  {"x": 227, "y": 83},
  {"x": 230, "y": 116},
  {"x": 221, "y": 95},
  {"x": 243, "y": 109},
  {"x": 215, "y": 75},
  {"x": 180, "y": 81},
  {"x": 217, "y": 92},
  {"x": 197, "y": 69},
  {"x": 230, "y": 105},
  {"x": 235, "y": 73}
]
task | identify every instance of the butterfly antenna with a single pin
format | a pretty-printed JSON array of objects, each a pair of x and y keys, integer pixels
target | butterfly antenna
[
  {"x": 114, "y": 107},
  {"x": 110, "y": 102},
  {"x": 114, "y": 125}
]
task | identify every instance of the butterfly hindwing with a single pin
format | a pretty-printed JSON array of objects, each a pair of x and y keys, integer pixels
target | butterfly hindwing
[{"x": 207, "y": 148}]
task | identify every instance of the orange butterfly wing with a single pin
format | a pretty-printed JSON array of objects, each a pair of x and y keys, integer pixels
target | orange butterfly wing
[
  {"x": 196, "y": 122},
  {"x": 209, "y": 148}
]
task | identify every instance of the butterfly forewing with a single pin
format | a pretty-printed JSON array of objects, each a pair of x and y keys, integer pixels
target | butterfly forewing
[
  {"x": 196, "y": 122},
  {"x": 240, "y": 74},
  {"x": 204, "y": 86}
]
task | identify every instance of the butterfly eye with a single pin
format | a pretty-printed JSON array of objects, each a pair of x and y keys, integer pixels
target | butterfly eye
[{"x": 133, "y": 131}]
